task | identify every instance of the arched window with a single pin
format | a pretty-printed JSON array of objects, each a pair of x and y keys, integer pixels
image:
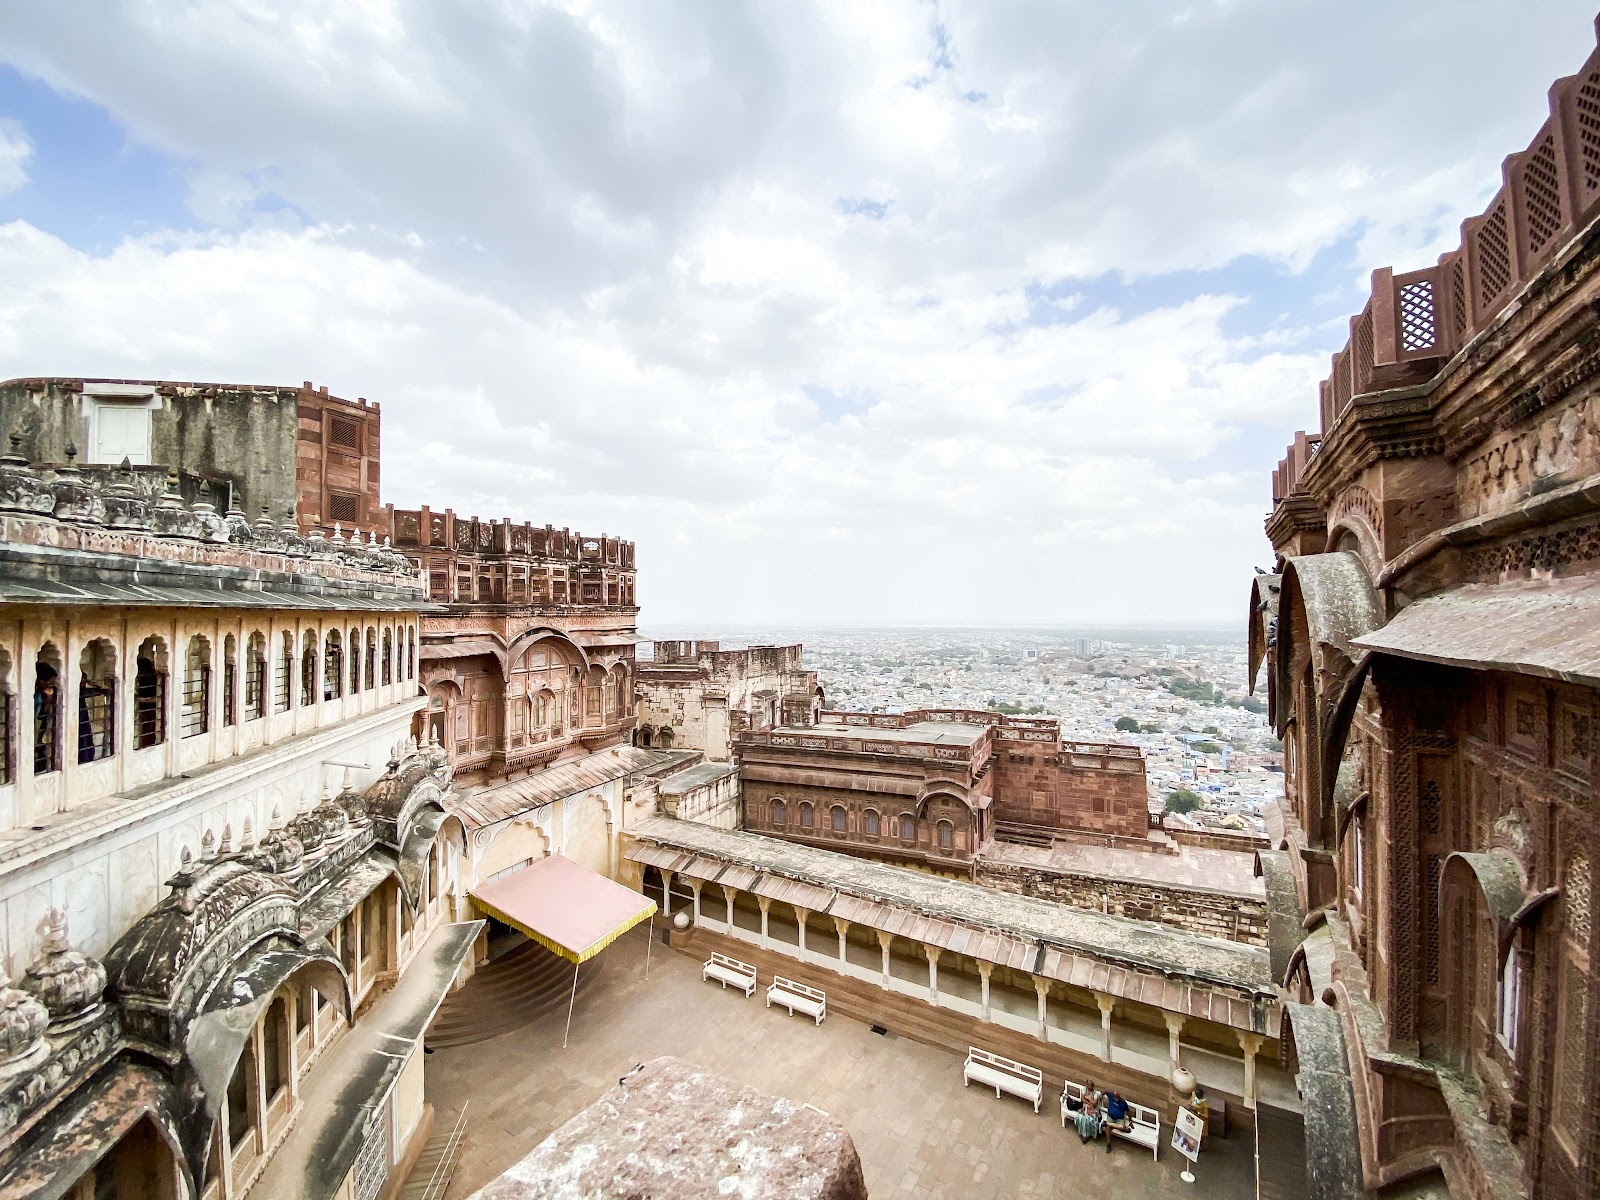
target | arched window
[
  {"x": 411, "y": 652},
  {"x": 47, "y": 710},
  {"x": 283, "y": 687},
  {"x": 194, "y": 714},
  {"x": 644, "y": 738},
  {"x": 805, "y": 814},
  {"x": 947, "y": 835},
  {"x": 779, "y": 816},
  {"x": 8, "y": 762},
  {"x": 355, "y": 660},
  {"x": 872, "y": 822},
  {"x": 664, "y": 739},
  {"x": 836, "y": 814},
  {"x": 332, "y": 666},
  {"x": 388, "y": 657},
  {"x": 908, "y": 827},
  {"x": 150, "y": 694},
  {"x": 1508, "y": 999},
  {"x": 97, "y": 701},
  {"x": 1358, "y": 866},
  {"x": 255, "y": 677},
  {"x": 230, "y": 681},
  {"x": 275, "y": 1048},
  {"x": 241, "y": 1109},
  {"x": 309, "y": 683},
  {"x": 372, "y": 658}
]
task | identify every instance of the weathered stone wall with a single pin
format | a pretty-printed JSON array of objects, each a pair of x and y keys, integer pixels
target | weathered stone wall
[
  {"x": 1060, "y": 789},
  {"x": 700, "y": 695},
  {"x": 1215, "y": 914}
]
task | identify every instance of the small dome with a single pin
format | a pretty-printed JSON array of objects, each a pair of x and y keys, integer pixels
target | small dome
[
  {"x": 67, "y": 982},
  {"x": 22, "y": 1024}
]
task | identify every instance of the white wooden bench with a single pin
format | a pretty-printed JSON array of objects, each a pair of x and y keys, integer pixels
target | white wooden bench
[
  {"x": 1146, "y": 1127},
  {"x": 1003, "y": 1075},
  {"x": 730, "y": 972},
  {"x": 797, "y": 998}
]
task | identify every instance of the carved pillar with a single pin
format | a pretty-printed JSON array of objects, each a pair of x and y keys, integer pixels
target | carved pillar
[
  {"x": 727, "y": 896},
  {"x": 666, "y": 893},
  {"x": 800, "y": 915},
  {"x": 985, "y": 969},
  {"x": 841, "y": 925},
  {"x": 933, "y": 953},
  {"x": 1106, "y": 1003},
  {"x": 884, "y": 940},
  {"x": 1041, "y": 988},
  {"x": 1251, "y": 1044},
  {"x": 765, "y": 904},
  {"x": 694, "y": 886},
  {"x": 1175, "y": 1022}
]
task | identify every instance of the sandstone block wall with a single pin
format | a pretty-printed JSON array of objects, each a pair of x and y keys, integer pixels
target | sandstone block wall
[{"x": 1215, "y": 914}]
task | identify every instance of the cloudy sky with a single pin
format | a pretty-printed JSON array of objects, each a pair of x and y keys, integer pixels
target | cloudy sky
[{"x": 967, "y": 311}]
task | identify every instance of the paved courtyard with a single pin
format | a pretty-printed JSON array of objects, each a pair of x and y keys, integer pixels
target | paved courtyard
[{"x": 919, "y": 1132}]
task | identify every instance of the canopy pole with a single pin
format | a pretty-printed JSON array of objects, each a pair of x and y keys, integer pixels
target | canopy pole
[
  {"x": 570, "y": 1003},
  {"x": 647, "y": 946}
]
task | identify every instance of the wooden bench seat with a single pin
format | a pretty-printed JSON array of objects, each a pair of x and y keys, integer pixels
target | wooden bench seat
[
  {"x": 798, "y": 998},
  {"x": 1003, "y": 1075},
  {"x": 731, "y": 972},
  {"x": 1145, "y": 1129}
]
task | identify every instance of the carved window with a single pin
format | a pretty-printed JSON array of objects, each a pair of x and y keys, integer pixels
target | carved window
[
  {"x": 97, "y": 701},
  {"x": 47, "y": 710},
  {"x": 1358, "y": 864},
  {"x": 411, "y": 653},
  {"x": 1508, "y": 999},
  {"x": 275, "y": 1048},
  {"x": 194, "y": 714},
  {"x": 150, "y": 694},
  {"x": 230, "y": 681},
  {"x": 805, "y": 815},
  {"x": 255, "y": 677},
  {"x": 332, "y": 666},
  {"x": 1572, "y": 1003},
  {"x": 344, "y": 508},
  {"x": 908, "y": 827},
  {"x": 872, "y": 822},
  {"x": 946, "y": 835},
  {"x": 240, "y": 1108},
  {"x": 779, "y": 816},
  {"x": 355, "y": 661},
  {"x": 388, "y": 657},
  {"x": 283, "y": 686},
  {"x": 837, "y": 816},
  {"x": 344, "y": 433},
  {"x": 309, "y": 683}
]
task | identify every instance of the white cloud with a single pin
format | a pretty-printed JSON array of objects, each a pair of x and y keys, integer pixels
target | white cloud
[
  {"x": 606, "y": 265},
  {"x": 15, "y": 150}
]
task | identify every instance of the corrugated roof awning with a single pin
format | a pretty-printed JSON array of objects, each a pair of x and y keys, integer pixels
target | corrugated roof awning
[
  {"x": 1547, "y": 628},
  {"x": 794, "y": 891},
  {"x": 659, "y": 857},
  {"x": 566, "y": 908},
  {"x": 37, "y": 589},
  {"x": 506, "y": 801}
]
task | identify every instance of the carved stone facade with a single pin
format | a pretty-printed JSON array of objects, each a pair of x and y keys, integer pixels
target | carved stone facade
[
  {"x": 1431, "y": 649},
  {"x": 695, "y": 695},
  {"x": 930, "y": 787}
]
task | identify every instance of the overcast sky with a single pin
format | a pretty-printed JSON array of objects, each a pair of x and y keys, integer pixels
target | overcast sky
[{"x": 976, "y": 311}]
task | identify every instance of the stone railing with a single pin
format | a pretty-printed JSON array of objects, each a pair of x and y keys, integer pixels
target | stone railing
[
  {"x": 1416, "y": 321},
  {"x": 426, "y": 528},
  {"x": 113, "y": 512}
]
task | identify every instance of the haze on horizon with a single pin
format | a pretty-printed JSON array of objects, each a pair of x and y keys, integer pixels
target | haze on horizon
[{"x": 927, "y": 313}]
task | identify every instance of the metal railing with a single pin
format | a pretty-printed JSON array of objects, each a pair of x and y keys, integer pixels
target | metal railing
[{"x": 445, "y": 1167}]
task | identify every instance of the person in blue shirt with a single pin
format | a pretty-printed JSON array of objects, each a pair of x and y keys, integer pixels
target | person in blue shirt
[{"x": 1117, "y": 1116}]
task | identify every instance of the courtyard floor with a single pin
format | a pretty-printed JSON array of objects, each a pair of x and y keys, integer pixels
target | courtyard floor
[{"x": 918, "y": 1131}]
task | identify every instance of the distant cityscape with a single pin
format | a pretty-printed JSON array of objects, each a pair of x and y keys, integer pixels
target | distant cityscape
[{"x": 1181, "y": 696}]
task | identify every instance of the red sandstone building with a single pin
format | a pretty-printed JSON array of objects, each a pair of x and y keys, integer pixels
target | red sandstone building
[
  {"x": 933, "y": 787},
  {"x": 1432, "y": 642}
]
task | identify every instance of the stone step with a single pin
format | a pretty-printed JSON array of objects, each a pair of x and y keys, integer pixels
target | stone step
[{"x": 519, "y": 987}]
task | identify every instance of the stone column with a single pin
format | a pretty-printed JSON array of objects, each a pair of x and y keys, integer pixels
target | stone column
[
  {"x": 985, "y": 969},
  {"x": 884, "y": 940},
  {"x": 765, "y": 904},
  {"x": 694, "y": 886},
  {"x": 933, "y": 953},
  {"x": 841, "y": 925},
  {"x": 800, "y": 915},
  {"x": 727, "y": 896},
  {"x": 1175, "y": 1023},
  {"x": 666, "y": 891},
  {"x": 1251, "y": 1044},
  {"x": 1106, "y": 1003},
  {"x": 1041, "y": 988}
]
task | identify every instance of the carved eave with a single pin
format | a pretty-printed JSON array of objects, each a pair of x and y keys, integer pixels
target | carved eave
[
  {"x": 1295, "y": 514},
  {"x": 1398, "y": 423}
]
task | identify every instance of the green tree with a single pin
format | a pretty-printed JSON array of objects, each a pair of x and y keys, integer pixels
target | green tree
[
  {"x": 1127, "y": 725},
  {"x": 1182, "y": 800},
  {"x": 1206, "y": 748}
]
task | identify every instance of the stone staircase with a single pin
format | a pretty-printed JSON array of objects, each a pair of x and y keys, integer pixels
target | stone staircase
[
  {"x": 434, "y": 1168},
  {"x": 507, "y": 993}
]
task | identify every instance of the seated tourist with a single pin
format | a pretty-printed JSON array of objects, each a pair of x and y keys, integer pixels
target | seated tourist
[
  {"x": 1088, "y": 1120},
  {"x": 1117, "y": 1116}
]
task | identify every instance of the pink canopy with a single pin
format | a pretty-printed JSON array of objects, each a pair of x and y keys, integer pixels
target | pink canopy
[{"x": 564, "y": 907}]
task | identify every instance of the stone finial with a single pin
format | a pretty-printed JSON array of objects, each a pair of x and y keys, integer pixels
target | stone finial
[
  {"x": 208, "y": 846},
  {"x": 68, "y": 983},
  {"x": 247, "y": 836},
  {"x": 182, "y": 882},
  {"x": 226, "y": 847}
]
